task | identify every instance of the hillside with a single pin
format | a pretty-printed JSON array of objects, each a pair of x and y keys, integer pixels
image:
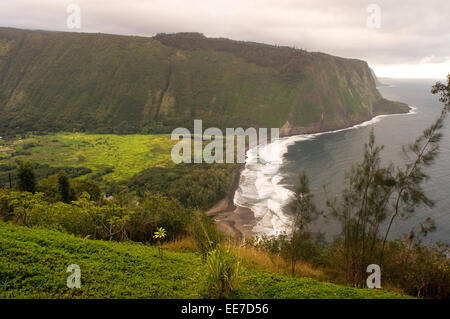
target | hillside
[
  {"x": 55, "y": 81},
  {"x": 33, "y": 264}
]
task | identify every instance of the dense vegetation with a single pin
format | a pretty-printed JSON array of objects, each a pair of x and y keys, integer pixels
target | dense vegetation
[
  {"x": 120, "y": 164},
  {"x": 104, "y": 219},
  {"x": 53, "y": 81},
  {"x": 194, "y": 185}
]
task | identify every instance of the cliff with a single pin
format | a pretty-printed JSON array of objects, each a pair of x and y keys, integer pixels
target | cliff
[{"x": 57, "y": 81}]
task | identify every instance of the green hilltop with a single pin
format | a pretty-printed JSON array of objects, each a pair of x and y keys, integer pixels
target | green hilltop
[
  {"x": 100, "y": 83},
  {"x": 33, "y": 263}
]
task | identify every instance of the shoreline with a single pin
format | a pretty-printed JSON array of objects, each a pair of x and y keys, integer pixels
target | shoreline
[
  {"x": 233, "y": 220},
  {"x": 238, "y": 221}
]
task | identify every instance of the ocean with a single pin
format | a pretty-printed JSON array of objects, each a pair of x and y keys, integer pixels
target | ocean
[{"x": 265, "y": 187}]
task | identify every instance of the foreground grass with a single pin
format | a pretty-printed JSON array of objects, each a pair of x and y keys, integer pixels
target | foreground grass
[
  {"x": 33, "y": 263},
  {"x": 126, "y": 154}
]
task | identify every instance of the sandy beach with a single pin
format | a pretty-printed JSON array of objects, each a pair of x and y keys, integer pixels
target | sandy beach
[
  {"x": 233, "y": 220},
  {"x": 237, "y": 221}
]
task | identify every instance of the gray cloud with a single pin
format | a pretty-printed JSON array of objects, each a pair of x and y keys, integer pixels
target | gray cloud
[{"x": 412, "y": 31}]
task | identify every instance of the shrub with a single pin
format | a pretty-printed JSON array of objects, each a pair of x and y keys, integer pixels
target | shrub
[
  {"x": 421, "y": 271},
  {"x": 309, "y": 251},
  {"x": 223, "y": 272},
  {"x": 90, "y": 187},
  {"x": 100, "y": 220},
  {"x": 204, "y": 233},
  {"x": 158, "y": 211},
  {"x": 28, "y": 146},
  {"x": 83, "y": 217}
]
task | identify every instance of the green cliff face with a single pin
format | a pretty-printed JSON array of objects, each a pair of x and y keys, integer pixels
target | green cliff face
[{"x": 53, "y": 81}]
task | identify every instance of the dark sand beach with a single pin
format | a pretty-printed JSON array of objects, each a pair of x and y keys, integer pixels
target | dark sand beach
[
  {"x": 231, "y": 219},
  {"x": 239, "y": 221}
]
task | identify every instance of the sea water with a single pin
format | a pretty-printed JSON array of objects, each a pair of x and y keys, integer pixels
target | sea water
[{"x": 266, "y": 186}]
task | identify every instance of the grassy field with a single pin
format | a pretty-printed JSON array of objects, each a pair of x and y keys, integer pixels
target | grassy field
[
  {"x": 125, "y": 154},
  {"x": 33, "y": 264}
]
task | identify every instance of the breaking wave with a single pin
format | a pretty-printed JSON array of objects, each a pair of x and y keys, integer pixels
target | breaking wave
[{"x": 260, "y": 185}]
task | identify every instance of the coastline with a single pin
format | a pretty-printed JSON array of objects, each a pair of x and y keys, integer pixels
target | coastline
[
  {"x": 237, "y": 221},
  {"x": 233, "y": 220}
]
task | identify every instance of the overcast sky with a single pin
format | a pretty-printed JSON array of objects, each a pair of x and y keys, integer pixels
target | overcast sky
[{"x": 412, "y": 38}]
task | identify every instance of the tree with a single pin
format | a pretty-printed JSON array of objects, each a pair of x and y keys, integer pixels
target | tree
[
  {"x": 408, "y": 191},
  {"x": 361, "y": 211},
  {"x": 304, "y": 212},
  {"x": 157, "y": 210},
  {"x": 64, "y": 189},
  {"x": 444, "y": 92},
  {"x": 90, "y": 187},
  {"x": 377, "y": 195},
  {"x": 27, "y": 177}
]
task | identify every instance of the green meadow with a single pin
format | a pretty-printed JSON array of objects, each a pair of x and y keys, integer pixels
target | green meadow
[{"x": 124, "y": 155}]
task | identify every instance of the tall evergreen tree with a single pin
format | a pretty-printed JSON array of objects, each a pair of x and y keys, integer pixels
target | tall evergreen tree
[
  {"x": 303, "y": 212},
  {"x": 64, "y": 187},
  {"x": 376, "y": 196},
  {"x": 27, "y": 177}
]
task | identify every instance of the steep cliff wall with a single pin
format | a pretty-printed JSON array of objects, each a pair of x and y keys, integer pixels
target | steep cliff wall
[{"x": 54, "y": 81}]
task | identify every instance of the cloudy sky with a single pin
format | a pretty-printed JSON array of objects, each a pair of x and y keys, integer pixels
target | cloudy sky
[{"x": 401, "y": 38}]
